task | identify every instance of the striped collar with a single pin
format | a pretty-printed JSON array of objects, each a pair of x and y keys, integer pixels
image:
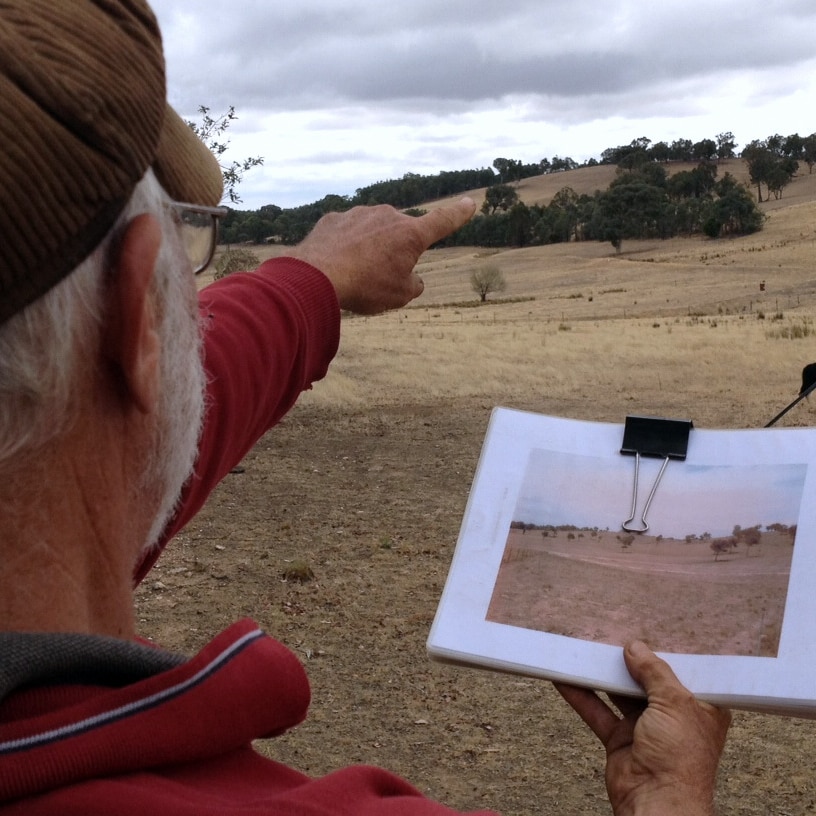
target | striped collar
[{"x": 34, "y": 659}]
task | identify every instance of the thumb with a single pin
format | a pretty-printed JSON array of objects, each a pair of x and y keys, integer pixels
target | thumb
[{"x": 652, "y": 673}]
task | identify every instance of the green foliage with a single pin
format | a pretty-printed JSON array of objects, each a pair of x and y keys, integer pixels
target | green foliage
[
  {"x": 644, "y": 201},
  {"x": 696, "y": 183},
  {"x": 413, "y": 189},
  {"x": 733, "y": 212},
  {"x": 499, "y": 197},
  {"x": 211, "y": 130},
  {"x": 773, "y": 162},
  {"x": 235, "y": 260},
  {"x": 809, "y": 151}
]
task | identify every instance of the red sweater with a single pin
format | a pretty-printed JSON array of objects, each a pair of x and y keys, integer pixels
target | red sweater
[
  {"x": 268, "y": 335},
  {"x": 92, "y": 725}
]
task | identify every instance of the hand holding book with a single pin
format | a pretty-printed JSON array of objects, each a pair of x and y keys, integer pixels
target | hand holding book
[
  {"x": 546, "y": 581},
  {"x": 662, "y": 757}
]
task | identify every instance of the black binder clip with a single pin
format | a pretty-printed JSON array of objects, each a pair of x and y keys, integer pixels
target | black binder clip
[{"x": 660, "y": 438}]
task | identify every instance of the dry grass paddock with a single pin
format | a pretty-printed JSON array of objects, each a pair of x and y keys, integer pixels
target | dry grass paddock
[
  {"x": 366, "y": 480},
  {"x": 696, "y": 323}
]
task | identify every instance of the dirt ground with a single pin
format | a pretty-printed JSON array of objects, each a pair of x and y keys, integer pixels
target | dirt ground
[
  {"x": 370, "y": 502},
  {"x": 671, "y": 594},
  {"x": 362, "y": 495}
]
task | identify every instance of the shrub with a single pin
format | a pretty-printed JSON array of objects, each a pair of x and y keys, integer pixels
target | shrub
[{"x": 235, "y": 260}]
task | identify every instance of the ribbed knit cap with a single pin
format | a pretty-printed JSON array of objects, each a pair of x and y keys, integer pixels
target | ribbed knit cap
[{"x": 83, "y": 114}]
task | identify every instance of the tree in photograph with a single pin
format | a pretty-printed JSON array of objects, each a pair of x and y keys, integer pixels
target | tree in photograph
[
  {"x": 499, "y": 197},
  {"x": 211, "y": 130},
  {"x": 749, "y": 536},
  {"x": 752, "y": 538},
  {"x": 722, "y": 546},
  {"x": 487, "y": 279}
]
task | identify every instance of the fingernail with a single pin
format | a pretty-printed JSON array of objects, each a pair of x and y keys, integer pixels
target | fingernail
[{"x": 636, "y": 647}]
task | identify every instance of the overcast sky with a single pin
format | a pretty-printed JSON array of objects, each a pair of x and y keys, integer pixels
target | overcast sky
[
  {"x": 588, "y": 491},
  {"x": 337, "y": 94}
]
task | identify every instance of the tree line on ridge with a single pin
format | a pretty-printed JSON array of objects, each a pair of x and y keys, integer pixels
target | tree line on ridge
[{"x": 643, "y": 201}]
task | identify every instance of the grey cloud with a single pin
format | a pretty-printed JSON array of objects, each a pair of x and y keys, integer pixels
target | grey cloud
[
  {"x": 283, "y": 57},
  {"x": 364, "y": 66}
]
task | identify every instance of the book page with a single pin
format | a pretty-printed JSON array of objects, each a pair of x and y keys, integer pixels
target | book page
[{"x": 546, "y": 581}]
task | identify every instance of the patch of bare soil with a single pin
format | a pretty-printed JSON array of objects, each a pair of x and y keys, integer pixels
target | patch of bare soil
[
  {"x": 369, "y": 502},
  {"x": 669, "y": 593}
]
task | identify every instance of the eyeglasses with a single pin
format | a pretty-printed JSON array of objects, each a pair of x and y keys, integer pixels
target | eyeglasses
[{"x": 199, "y": 231}]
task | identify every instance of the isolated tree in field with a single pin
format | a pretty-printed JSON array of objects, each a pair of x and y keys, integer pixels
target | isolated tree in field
[
  {"x": 211, "y": 130},
  {"x": 487, "y": 279}
]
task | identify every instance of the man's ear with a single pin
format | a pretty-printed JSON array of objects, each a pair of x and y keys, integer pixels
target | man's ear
[{"x": 133, "y": 343}]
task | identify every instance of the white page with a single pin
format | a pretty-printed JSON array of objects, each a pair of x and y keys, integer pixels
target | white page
[{"x": 558, "y": 598}]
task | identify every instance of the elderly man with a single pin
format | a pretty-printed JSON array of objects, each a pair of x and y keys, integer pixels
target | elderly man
[{"x": 114, "y": 382}]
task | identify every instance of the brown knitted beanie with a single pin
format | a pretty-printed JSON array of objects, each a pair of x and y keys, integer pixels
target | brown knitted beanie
[{"x": 83, "y": 115}]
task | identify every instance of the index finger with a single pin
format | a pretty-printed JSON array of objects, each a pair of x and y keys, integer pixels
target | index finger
[
  {"x": 591, "y": 709},
  {"x": 438, "y": 223}
]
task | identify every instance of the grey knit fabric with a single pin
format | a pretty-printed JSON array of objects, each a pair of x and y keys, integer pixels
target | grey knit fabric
[{"x": 28, "y": 660}]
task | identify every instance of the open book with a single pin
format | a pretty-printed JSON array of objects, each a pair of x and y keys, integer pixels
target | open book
[{"x": 719, "y": 577}]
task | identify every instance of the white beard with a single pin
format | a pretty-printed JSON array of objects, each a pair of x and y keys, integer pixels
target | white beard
[{"x": 173, "y": 453}]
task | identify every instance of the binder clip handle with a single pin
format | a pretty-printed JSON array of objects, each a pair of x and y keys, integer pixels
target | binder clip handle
[{"x": 656, "y": 437}]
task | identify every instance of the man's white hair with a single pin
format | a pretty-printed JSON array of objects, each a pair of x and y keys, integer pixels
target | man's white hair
[{"x": 44, "y": 348}]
